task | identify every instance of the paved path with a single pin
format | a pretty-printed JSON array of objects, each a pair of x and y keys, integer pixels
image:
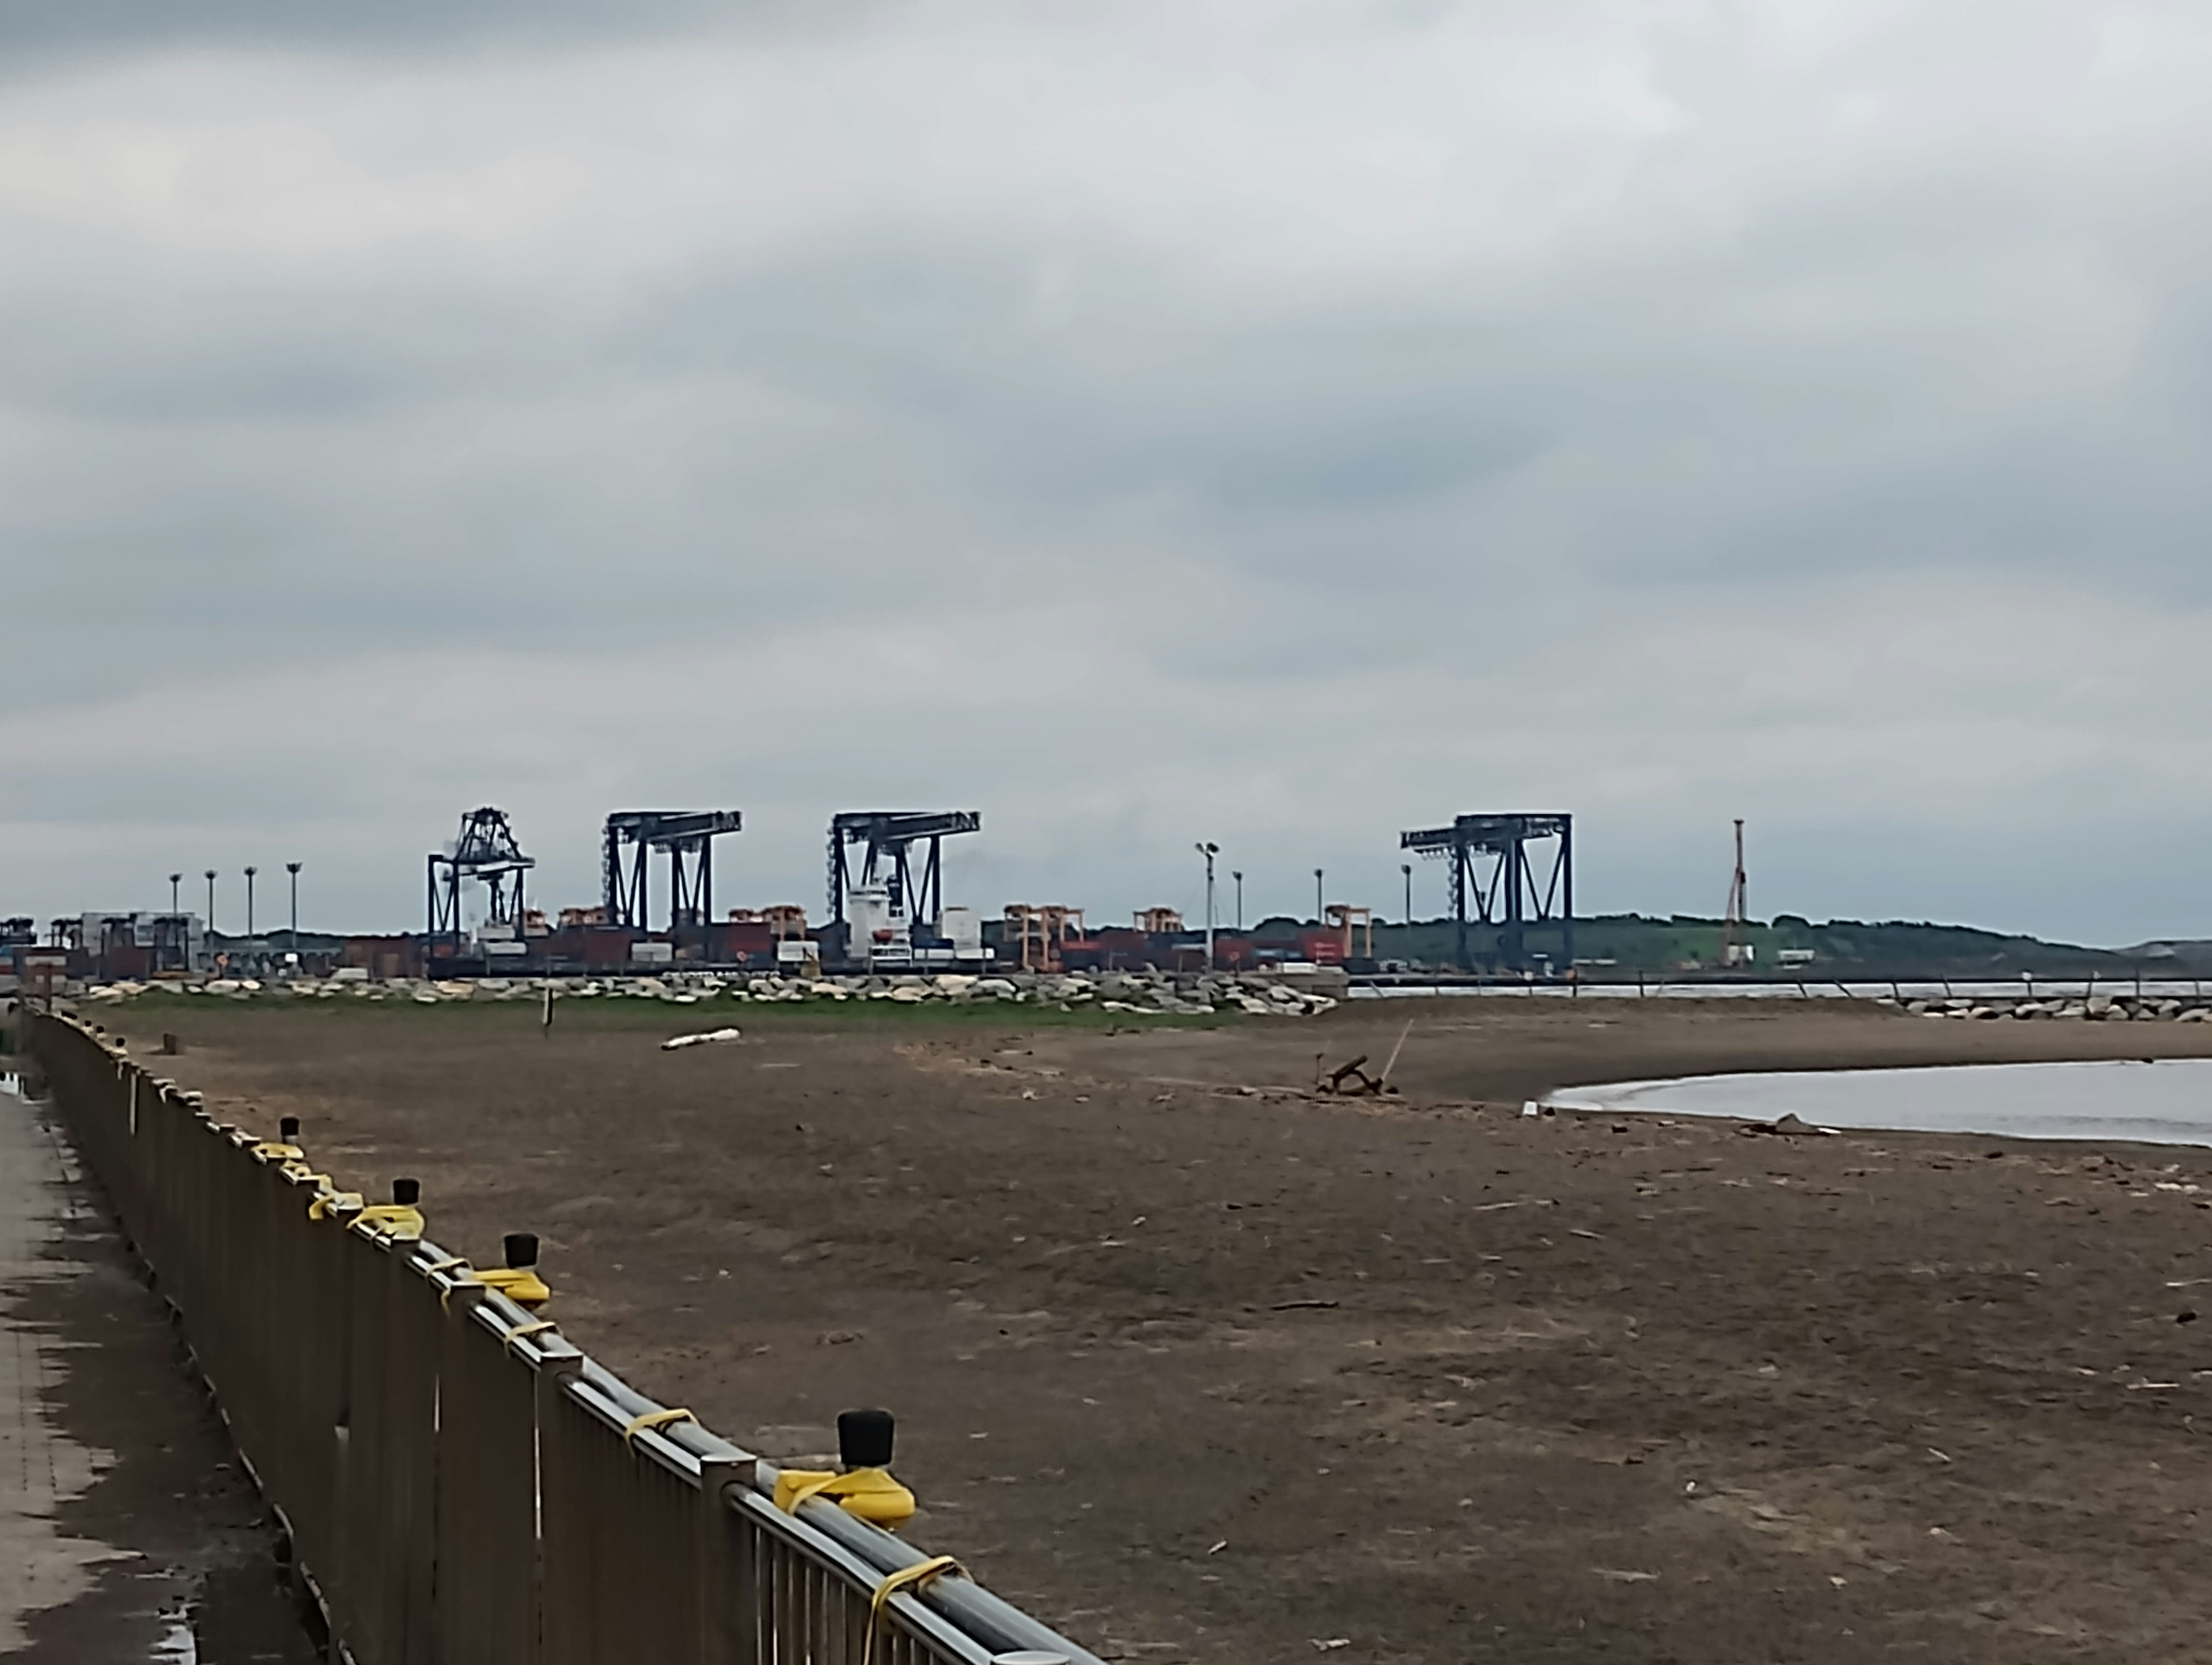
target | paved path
[
  {"x": 41, "y": 1468},
  {"x": 126, "y": 1531}
]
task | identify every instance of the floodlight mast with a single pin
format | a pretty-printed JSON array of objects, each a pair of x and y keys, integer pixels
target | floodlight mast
[{"x": 1208, "y": 852}]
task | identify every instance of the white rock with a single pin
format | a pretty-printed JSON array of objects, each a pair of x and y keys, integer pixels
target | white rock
[{"x": 705, "y": 1037}]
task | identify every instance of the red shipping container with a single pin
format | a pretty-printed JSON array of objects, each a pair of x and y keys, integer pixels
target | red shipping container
[
  {"x": 1322, "y": 947},
  {"x": 743, "y": 938},
  {"x": 606, "y": 946}
]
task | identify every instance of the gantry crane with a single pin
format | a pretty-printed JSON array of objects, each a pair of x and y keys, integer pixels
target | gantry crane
[
  {"x": 484, "y": 851},
  {"x": 888, "y": 835},
  {"x": 687, "y": 838},
  {"x": 1506, "y": 894}
]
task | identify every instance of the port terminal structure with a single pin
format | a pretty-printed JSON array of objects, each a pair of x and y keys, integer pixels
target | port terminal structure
[
  {"x": 687, "y": 838},
  {"x": 888, "y": 914},
  {"x": 484, "y": 852},
  {"x": 1494, "y": 885},
  {"x": 888, "y": 904}
]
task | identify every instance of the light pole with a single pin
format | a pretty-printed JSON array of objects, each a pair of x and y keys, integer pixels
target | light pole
[
  {"x": 250, "y": 872},
  {"x": 1239, "y": 878},
  {"x": 210, "y": 879},
  {"x": 293, "y": 868},
  {"x": 175, "y": 879},
  {"x": 1318, "y": 903},
  {"x": 1407, "y": 868},
  {"x": 1209, "y": 851}
]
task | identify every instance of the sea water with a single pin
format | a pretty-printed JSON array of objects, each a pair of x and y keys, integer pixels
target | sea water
[{"x": 2166, "y": 1102}]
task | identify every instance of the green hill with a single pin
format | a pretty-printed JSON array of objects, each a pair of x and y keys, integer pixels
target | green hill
[{"x": 1623, "y": 944}]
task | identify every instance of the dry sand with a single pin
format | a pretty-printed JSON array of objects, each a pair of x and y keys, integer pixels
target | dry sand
[{"x": 1200, "y": 1368}]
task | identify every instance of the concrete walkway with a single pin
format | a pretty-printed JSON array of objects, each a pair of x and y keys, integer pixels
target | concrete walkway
[
  {"x": 127, "y": 1532},
  {"x": 41, "y": 1468}
]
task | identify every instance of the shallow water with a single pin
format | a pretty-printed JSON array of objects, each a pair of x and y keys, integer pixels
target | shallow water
[{"x": 2166, "y": 1102}]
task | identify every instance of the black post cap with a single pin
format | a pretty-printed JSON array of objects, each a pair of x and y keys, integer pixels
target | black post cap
[
  {"x": 521, "y": 1249},
  {"x": 288, "y": 1128},
  {"x": 407, "y": 1192},
  {"x": 864, "y": 1438}
]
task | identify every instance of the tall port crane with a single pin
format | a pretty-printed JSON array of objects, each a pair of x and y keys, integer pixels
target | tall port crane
[
  {"x": 888, "y": 836},
  {"x": 484, "y": 851},
  {"x": 1491, "y": 868},
  {"x": 687, "y": 838}
]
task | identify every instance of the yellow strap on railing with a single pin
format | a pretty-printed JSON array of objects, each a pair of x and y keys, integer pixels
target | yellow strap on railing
[
  {"x": 871, "y": 1494},
  {"x": 520, "y": 1285},
  {"x": 913, "y": 1577},
  {"x": 399, "y": 1220},
  {"x": 521, "y": 1330},
  {"x": 272, "y": 1150},
  {"x": 445, "y": 1295},
  {"x": 319, "y": 1209},
  {"x": 446, "y": 1265},
  {"x": 654, "y": 1420}
]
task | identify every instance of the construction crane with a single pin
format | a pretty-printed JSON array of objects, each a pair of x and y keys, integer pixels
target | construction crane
[
  {"x": 485, "y": 852},
  {"x": 1735, "y": 945},
  {"x": 1344, "y": 920},
  {"x": 687, "y": 838},
  {"x": 888, "y": 835},
  {"x": 1507, "y": 895},
  {"x": 1036, "y": 936}
]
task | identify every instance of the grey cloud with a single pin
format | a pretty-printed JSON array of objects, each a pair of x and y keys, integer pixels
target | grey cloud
[
  {"x": 90, "y": 790},
  {"x": 1433, "y": 444},
  {"x": 122, "y": 349},
  {"x": 1140, "y": 394},
  {"x": 219, "y": 465},
  {"x": 43, "y": 39}
]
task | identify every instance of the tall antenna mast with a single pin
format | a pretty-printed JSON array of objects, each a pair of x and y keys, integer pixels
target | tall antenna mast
[{"x": 1736, "y": 947}]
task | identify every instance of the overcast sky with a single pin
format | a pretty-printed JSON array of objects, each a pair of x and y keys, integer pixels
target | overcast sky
[{"x": 1281, "y": 424}]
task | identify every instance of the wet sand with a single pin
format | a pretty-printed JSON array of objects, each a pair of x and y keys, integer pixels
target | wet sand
[
  {"x": 126, "y": 1532},
  {"x": 1202, "y": 1367}
]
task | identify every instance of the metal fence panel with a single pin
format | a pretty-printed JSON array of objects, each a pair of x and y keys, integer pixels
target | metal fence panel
[
  {"x": 621, "y": 1536},
  {"x": 357, "y": 1584},
  {"x": 486, "y": 1506},
  {"x": 324, "y": 1368},
  {"x": 410, "y": 1466}
]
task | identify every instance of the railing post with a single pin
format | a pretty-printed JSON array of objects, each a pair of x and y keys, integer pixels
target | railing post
[
  {"x": 567, "y": 1559},
  {"x": 728, "y": 1590}
]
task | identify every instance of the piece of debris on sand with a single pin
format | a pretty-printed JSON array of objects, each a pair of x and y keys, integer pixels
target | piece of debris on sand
[
  {"x": 1790, "y": 1126},
  {"x": 704, "y": 1038}
]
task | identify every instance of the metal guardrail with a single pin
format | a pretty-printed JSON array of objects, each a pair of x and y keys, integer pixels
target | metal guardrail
[{"x": 462, "y": 1486}]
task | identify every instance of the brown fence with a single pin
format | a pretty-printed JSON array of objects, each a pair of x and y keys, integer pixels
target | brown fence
[{"x": 463, "y": 1487}]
